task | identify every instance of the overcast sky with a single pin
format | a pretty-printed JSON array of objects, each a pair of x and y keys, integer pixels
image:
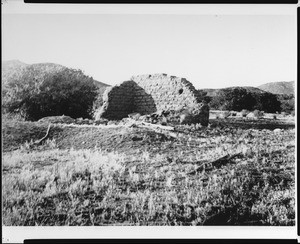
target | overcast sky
[{"x": 211, "y": 51}]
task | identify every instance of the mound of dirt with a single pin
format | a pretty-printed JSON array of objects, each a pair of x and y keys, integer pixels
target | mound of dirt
[
  {"x": 124, "y": 137},
  {"x": 120, "y": 138}
]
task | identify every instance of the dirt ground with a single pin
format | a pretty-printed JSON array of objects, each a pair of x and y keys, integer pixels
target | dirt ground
[{"x": 126, "y": 138}]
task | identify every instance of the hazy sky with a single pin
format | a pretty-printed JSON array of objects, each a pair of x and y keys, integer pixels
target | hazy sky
[{"x": 211, "y": 51}]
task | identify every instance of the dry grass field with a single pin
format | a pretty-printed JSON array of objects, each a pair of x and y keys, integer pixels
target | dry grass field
[{"x": 235, "y": 172}]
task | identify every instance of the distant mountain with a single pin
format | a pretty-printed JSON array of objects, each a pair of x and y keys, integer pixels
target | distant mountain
[
  {"x": 12, "y": 64},
  {"x": 284, "y": 87}
]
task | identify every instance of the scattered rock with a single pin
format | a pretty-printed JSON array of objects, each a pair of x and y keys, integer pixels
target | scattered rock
[
  {"x": 250, "y": 115},
  {"x": 135, "y": 116},
  {"x": 101, "y": 122}
]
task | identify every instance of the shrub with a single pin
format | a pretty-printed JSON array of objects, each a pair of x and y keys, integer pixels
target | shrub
[
  {"x": 238, "y": 98},
  {"x": 202, "y": 96},
  {"x": 267, "y": 102},
  {"x": 258, "y": 114},
  {"x": 233, "y": 99},
  {"x": 65, "y": 92},
  {"x": 287, "y": 102}
]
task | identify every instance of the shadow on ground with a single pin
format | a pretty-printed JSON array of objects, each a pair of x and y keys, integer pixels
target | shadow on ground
[{"x": 251, "y": 124}]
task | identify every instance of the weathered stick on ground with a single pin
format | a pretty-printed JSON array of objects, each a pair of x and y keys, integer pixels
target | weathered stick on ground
[{"x": 42, "y": 139}]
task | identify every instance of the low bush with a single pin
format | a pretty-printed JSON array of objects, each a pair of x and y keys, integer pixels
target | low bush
[{"x": 258, "y": 114}]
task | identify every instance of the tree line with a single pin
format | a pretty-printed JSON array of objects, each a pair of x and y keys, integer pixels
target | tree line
[{"x": 239, "y": 98}]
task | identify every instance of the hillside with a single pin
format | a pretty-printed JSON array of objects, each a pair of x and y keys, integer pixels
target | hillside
[
  {"x": 15, "y": 69},
  {"x": 285, "y": 87},
  {"x": 12, "y": 69}
]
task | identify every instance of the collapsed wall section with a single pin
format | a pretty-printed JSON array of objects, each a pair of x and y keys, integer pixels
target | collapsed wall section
[{"x": 117, "y": 101}]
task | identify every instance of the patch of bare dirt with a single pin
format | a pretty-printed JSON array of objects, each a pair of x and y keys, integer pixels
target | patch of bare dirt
[{"x": 120, "y": 138}]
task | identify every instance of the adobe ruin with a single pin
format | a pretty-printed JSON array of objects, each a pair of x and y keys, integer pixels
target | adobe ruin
[{"x": 146, "y": 94}]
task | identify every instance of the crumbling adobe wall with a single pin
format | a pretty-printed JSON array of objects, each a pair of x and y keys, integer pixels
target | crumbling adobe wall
[
  {"x": 117, "y": 101},
  {"x": 168, "y": 92},
  {"x": 146, "y": 94}
]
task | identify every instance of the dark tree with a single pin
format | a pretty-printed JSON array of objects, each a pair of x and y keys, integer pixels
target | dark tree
[
  {"x": 287, "y": 102},
  {"x": 240, "y": 98},
  {"x": 67, "y": 92}
]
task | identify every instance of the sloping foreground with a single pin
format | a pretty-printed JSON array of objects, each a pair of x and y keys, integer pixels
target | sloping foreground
[{"x": 135, "y": 176}]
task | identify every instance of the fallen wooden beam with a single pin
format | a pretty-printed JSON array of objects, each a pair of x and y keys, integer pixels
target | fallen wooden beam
[
  {"x": 167, "y": 130},
  {"x": 163, "y": 127}
]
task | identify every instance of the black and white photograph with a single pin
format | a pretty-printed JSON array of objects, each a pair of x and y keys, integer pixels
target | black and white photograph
[{"x": 169, "y": 116}]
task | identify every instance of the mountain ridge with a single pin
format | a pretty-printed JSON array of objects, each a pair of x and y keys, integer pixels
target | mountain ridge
[{"x": 280, "y": 87}]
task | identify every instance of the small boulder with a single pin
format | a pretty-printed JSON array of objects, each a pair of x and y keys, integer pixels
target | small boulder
[
  {"x": 134, "y": 116},
  {"x": 250, "y": 115},
  {"x": 277, "y": 130}
]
